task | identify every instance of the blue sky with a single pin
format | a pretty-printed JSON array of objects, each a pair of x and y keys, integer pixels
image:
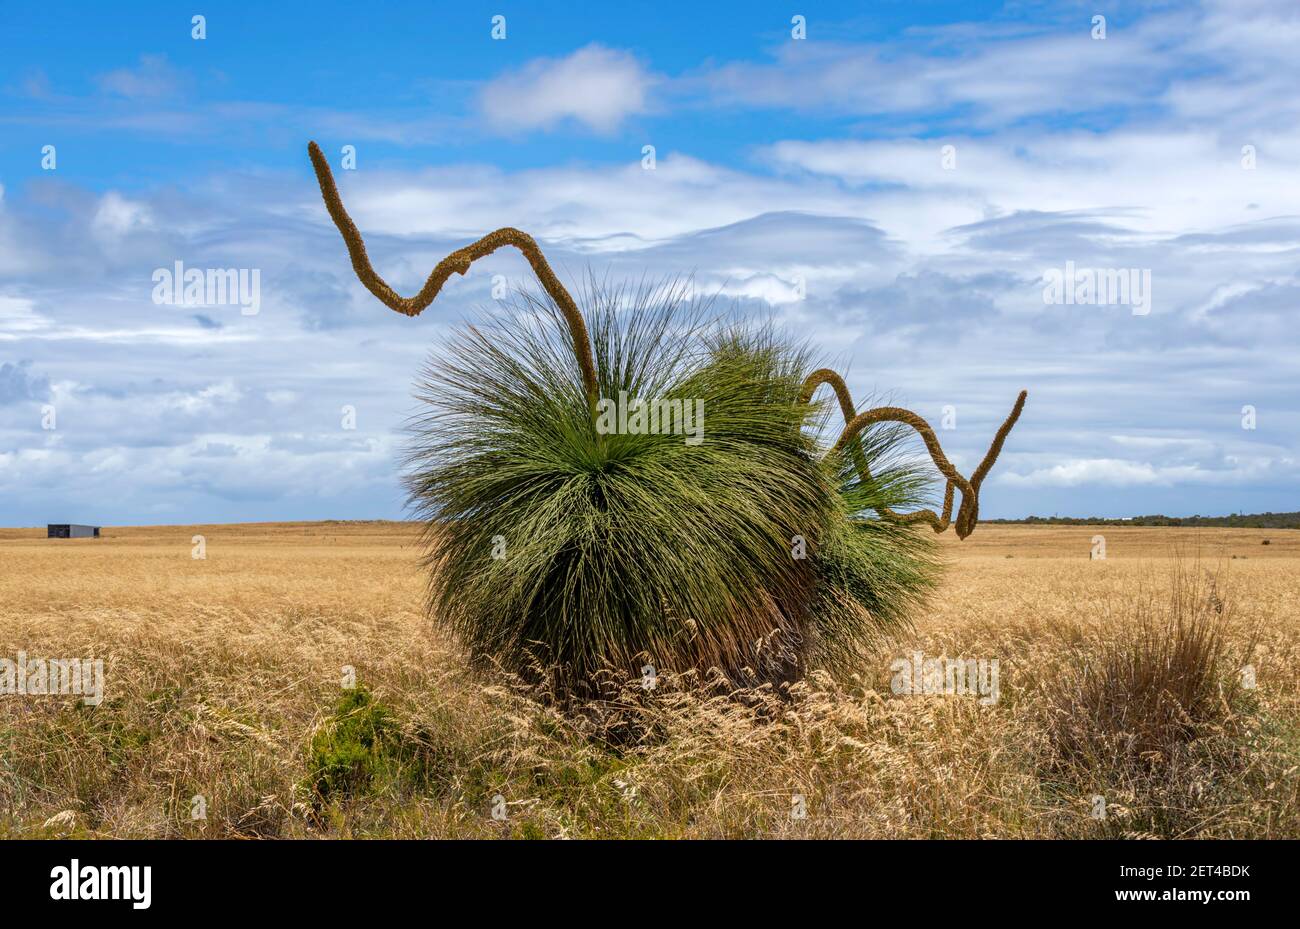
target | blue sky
[{"x": 802, "y": 178}]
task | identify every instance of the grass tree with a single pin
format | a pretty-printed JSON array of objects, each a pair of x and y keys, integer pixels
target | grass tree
[{"x": 558, "y": 545}]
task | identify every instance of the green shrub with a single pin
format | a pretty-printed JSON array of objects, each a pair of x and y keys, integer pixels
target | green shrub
[{"x": 358, "y": 746}]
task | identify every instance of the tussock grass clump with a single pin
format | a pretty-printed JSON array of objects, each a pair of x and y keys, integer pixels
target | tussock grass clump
[
  {"x": 1166, "y": 679},
  {"x": 1157, "y": 721}
]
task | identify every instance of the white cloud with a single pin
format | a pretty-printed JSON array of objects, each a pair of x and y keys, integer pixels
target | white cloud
[
  {"x": 18, "y": 316},
  {"x": 116, "y": 216},
  {"x": 586, "y": 207},
  {"x": 595, "y": 86},
  {"x": 206, "y": 398},
  {"x": 990, "y": 77},
  {"x": 766, "y": 287},
  {"x": 1112, "y": 472},
  {"x": 1222, "y": 62},
  {"x": 152, "y": 78},
  {"x": 1148, "y": 182}
]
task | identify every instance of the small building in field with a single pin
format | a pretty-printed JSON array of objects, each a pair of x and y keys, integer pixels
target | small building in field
[{"x": 72, "y": 531}]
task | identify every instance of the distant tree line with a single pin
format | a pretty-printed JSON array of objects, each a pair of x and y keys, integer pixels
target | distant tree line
[{"x": 1235, "y": 521}]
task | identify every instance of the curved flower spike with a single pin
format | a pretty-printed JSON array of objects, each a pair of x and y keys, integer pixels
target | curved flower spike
[
  {"x": 968, "y": 514},
  {"x": 457, "y": 262}
]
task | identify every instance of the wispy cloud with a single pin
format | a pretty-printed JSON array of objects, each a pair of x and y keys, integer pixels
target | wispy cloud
[
  {"x": 595, "y": 87},
  {"x": 153, "y": 78}
]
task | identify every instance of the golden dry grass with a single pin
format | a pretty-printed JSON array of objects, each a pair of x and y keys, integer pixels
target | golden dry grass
[{"x": 219, "y": 672}]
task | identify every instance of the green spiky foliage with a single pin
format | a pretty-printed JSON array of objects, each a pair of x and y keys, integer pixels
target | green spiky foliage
[
  {"x": 552, "y": 546},
  {"x": 873, "y": 574}
]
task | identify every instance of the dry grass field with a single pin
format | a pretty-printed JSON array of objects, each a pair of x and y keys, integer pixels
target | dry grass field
[{"x": 224, "y": 680}]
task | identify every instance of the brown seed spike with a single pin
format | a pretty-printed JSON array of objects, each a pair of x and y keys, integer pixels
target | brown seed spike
[
  {"x": 968, "y": 514},
  {"x": 970, "y": 508},
  {"x": 827, "y": 376},
  {"x": 457, "y": 262}
]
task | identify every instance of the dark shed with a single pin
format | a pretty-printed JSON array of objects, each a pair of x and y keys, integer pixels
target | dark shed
[{"x": 72, "y": 531}]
